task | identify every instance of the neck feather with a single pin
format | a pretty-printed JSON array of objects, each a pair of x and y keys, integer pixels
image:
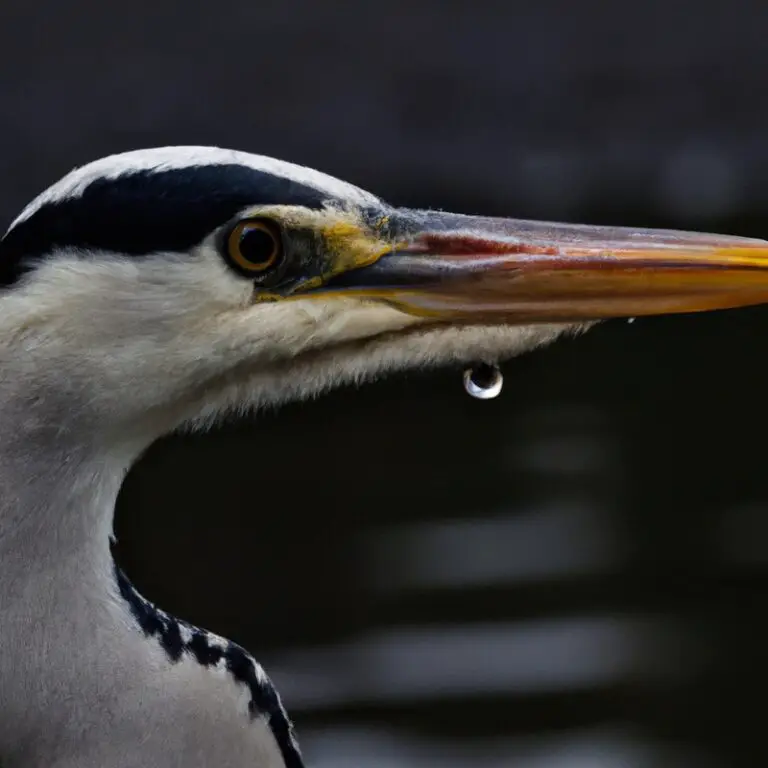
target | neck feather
[{"x": 57, "y": 573}]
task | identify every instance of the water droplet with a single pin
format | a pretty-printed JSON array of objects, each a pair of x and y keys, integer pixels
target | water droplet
[
  {"x": 631, "y": 319},
  {"x": 483, "y": 381}
]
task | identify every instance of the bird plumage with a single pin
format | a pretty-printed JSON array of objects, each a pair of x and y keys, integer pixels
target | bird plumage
[
  {"x": 165, "y": 199},
  {"x": 161, "y": 289},
  {"x": 120, "y": 321}
]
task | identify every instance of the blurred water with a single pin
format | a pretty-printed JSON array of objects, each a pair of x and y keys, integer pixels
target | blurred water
[
  {"x": 603, "y": 748},
  {"x": 549, "y": 540},
  {"x": 447, "y": 662}
]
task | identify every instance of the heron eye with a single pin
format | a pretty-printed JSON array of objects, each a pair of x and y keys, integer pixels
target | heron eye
[{"x": 255, "y": 246}]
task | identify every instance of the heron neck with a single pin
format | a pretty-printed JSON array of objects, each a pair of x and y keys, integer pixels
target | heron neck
[
  {"x": 60, "y": 591},
  {"x": 57, "y": 499}
]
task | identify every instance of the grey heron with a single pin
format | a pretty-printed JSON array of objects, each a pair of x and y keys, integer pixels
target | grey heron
[{"x": 166, "y": 287}]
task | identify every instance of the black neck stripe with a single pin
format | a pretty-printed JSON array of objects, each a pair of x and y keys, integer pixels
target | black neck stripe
[
  {"x": 264, "y": 699},
  {"x": 144, "y": 212}
]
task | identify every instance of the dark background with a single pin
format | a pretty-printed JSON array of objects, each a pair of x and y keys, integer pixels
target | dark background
[{"x": 574, "y": 575}]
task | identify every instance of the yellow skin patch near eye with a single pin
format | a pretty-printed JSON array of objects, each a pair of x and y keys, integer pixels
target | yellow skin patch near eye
[{"x": 348, "y": 242}]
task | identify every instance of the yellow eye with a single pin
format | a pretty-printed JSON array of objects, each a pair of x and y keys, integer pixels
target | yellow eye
[{"x": 255, "y": 246}]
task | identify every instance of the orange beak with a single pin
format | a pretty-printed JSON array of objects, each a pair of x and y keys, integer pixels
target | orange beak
[{"x": 479, "y": 269}]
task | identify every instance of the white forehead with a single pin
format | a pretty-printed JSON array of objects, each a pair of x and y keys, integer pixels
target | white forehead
[{"x": 169, "y": 158}]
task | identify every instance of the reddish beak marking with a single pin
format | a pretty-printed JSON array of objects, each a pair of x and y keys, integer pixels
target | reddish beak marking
[{"x": 478, "y": 269}]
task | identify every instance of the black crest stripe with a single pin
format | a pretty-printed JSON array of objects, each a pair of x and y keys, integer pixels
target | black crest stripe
[{"x": 143, "y": 212}]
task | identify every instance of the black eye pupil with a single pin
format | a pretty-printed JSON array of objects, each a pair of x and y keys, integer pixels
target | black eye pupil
[{"x": 257, "y": 246}]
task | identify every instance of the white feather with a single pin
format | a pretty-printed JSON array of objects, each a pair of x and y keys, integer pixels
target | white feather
[{"x": 167, "y": 158}]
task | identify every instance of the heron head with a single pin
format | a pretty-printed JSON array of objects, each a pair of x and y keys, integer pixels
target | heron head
[{"x": 172, "y": 284}]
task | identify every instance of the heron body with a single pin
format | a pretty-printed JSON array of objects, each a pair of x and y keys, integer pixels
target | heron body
[{"x": 162, "y": 288}]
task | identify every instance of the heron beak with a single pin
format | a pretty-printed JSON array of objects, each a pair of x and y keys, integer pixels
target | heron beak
[{"x": 454, "y": 267}]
